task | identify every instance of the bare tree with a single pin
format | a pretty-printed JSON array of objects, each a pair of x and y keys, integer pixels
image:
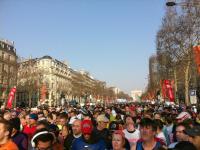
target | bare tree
[{"x": 175, "y": 40}]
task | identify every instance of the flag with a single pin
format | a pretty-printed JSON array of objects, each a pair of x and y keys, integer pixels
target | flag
[
  {"x": 11, "y": 97},
  {"x": 168, "y": 90},
  {"x": 196, "y": 52}
]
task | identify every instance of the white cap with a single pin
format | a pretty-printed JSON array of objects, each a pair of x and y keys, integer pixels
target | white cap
[{"x": 183, "y": 116}]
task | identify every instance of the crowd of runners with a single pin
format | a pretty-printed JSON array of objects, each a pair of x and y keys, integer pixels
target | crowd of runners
[{"x": 114, "y": 127}]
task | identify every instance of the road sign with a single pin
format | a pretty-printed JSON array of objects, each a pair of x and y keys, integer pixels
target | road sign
[{"x": 193, "y": 97}]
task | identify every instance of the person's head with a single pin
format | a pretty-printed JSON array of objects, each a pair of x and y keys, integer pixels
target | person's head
[
  {"x": 96, "y": 114},
  {"x": 41, "y": 116},
  {"x": 102, "y": 122},
  {"x": 72, "y": 113},
  {"x": 54, "y": 129},
  {"x": 43, "y": 124},
  {"x": 159, "y": 125},
  {"x": 5, "y": 130},
  {"x": 50, "y": 118},
  {"x": 180, "y": 132},
  {"x": 86, "y": 128},
  {"x": 183, "y": 116},
  {"x": 147, "y": 129},
  {"x": 7, "y": 115},
  {"x": 184, "y": 145},
  {"x": 129, "y": 120},
  {"x": 127, "y": 110},
  {"x": 65, "y": 131},
  {"x": 63, "y": 119},
  {"x": 15, "y": 124},
  {"x": 168, "y": 120},
  {"x": 148, "y": 114},
  {"x": 113, "y": 126},
  {"x": 76, "y": 127},
  {"x": 108, "y": 110},
  {"x": 157, "y": 116},
  {"x": 13, "y": 114},
  {"x": 43, "y": 140},
  {"x": 86, "y": 115},
  {"x": 33, "y": 119},
  {"x": 118, "y": 140},
  {"x": 194, "y": 136}
]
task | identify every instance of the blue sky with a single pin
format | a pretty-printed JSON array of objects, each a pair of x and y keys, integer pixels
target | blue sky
[{"x": 112, "y": 39}]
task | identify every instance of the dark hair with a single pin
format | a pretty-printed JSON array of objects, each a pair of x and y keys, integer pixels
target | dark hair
[
  {"x": 134, "y": 119},
  {"x": 159, "y": 123},
  {"x": 7, "y": 126},
  {"x": 63, "y": 116},
  {"x": 184, "y": 145},
  {"x": 157, "y": 113},
  {"x": 147, "y": 122},
  {"x": 44, "y": 123},
  {"x": 168, "y": 119},
  {"x": 54, "y": 129},
  {"x": 15, "y": 123},
  {"x": 44, "y": 137},
  {"x": 184, "y": 124},
  {"x": 50, "y": 115}
]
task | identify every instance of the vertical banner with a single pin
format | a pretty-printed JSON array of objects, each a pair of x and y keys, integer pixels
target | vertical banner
[
  {"x": 169, "y": 90},
  {"x": 11, "y": 97},
  {"x": 196, "y": 52},
  {"x": 164, "y": 95}
]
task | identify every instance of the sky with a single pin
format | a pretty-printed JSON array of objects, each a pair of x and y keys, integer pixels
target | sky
[{"x": 112, "y": 39}]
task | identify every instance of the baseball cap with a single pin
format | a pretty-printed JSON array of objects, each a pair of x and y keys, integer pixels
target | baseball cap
[
  {"x": 102, "y": 118},
  {"x": 84, "y": 112},
  {"x": 195, "y": 131},
  {"x": 86, "y": 126},
  {"x": 113, "y": 126},
  {"x": 33, "y": 116},
  {"x": 183, "y": 116}
]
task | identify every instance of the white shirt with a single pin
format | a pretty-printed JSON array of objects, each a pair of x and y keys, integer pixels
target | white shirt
[
  {"x": 162, "y": 137},
  {"x": 132, "y": 137}
]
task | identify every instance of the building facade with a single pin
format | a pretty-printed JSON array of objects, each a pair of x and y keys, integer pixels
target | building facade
[
  {"x": 136, "y": 94},
  {"x": 43, "y": 80},
  {"x": 8, "y": 68},
  {"x": 153, "y": 72},
  {"x": 46, "y": 80}
]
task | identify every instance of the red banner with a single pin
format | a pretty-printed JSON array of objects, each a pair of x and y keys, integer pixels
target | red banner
[
  {"x": 167, "y": 90},
  {"x": 11, "y": 97},
  {"x": 196, "y": 51}
]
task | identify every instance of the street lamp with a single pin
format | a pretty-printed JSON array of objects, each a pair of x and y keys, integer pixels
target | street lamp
[{"x": 171, "y": 3}]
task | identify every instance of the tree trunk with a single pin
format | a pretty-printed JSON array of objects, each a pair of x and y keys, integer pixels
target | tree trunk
[
  {"x": 29, "y": 99},
  {"x": 175, "y": 85},
  {"x": 187, "y": 80}
]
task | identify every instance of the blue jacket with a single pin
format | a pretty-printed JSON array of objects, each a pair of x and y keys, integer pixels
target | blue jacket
[{"x": 80, "y": 144}]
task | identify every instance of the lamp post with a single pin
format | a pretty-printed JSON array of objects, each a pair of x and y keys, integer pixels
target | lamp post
[{"x": 171, "y": 3}]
